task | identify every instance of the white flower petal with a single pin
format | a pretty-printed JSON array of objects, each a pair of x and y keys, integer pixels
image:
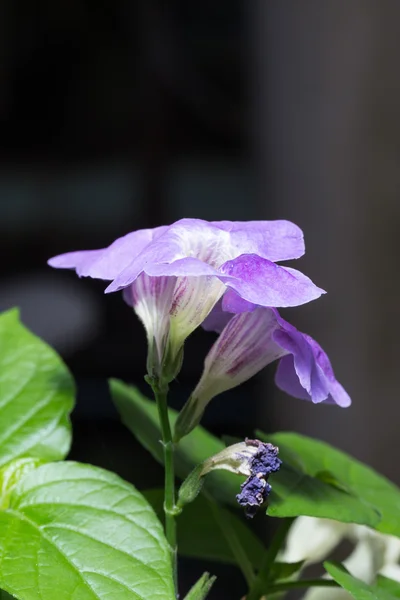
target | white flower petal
[{"x": 312, "y": 540}]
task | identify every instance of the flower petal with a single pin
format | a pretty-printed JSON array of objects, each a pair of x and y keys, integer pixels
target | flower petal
[
  {"x": 244, "y": 347},
  {"x": 107, "y": 263},
  {"x": 274, "y": 240},
  {"x": 307, "y": 373},
  {"x": 193, "y": 248},
  {"x": 262, "y": 282},
  {"x": 218, "y": 318},
  {"x": 312, "y": 539},
  {"x": 392, "y": 571},
  {"x": 189, "y": 247},
  {"x": 151, "y": 298}
]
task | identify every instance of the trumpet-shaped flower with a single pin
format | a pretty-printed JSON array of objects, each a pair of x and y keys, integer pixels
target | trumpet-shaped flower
[
  {"x": 312, "y": 540},
  {"x": 247, "y": 343},
  {"x": 174, "y": 275}
]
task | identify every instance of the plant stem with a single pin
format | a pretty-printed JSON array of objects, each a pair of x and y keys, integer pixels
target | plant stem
[
  {"x": 301, "y": 583},
  {"x": 160, "y": 393},
  {"x": 222, "y": 518},
  {"x": 257, "y": 589}
]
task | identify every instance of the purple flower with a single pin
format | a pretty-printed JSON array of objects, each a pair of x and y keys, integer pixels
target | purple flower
[
  {"x": 194, "y": 262},
  {"x": 247, "y": 343}
]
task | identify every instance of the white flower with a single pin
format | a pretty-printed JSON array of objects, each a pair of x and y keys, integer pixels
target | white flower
[{"x": 312, "y": 540}]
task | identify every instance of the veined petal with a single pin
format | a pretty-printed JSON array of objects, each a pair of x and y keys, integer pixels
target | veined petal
[
  {"x": 244, "y": 347},
  {"x": 195, "y": 248},
  {"x": 189, "y": 247},
  {"x": 248, "y": 342},
  {"x": 262, "y": 282},
  {"x": 151, "y": 299},
  {"x": 194, "y": 298}
]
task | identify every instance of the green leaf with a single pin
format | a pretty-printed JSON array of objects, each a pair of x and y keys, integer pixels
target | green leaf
[
  {"x": 79, "y": 532},
  {"x": 359, "y": 479},
  {"x": 10, "y": 475},
  {"x": 200, "y": 534},
  {"x": 36, "y": 395},
  {"x": 357, "y": 588},
  {"x": 5, "y": 596},
  {"x": 201, "y": 588},
  {"x": 140, "y": 415},
  {"x": 295, "y": 493},
  {"x": 391, "y": 586}
]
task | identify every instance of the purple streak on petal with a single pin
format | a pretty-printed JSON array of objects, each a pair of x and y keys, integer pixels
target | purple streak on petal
[
  {"x": 244, "y": 347},
  {"x": 107, "y": 263},
  {"x": 262, "y": 282},
  {"x": 274, "y": 240}
]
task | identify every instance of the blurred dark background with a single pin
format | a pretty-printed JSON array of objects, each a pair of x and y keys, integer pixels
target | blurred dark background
[{"x": 128, "y": 114}]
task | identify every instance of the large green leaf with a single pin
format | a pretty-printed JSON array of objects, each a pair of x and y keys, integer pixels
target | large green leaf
[
  {"x": 318, "y": 458},
  {"x": 77, "y": 532},
  {"x": 200, "y": 534},
  {"x": 36, "y": 395},
  {"x": 357, "y": 588},
  {"x": 295, "y": 492}
]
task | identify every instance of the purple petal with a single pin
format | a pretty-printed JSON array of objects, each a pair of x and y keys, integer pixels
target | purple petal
[
  {"x": 307, "y": 372},
  {"x": 217, "y": 319},
  {"x": 274, "y": 240},
  {"x": 233, "y": 303},
  {"x": 107, "y": 263},
  {"x": 244, "y": 347},
  {"x": 188, "y": 248},
  {"x": 193, "y": 248},
  {"x": 262, "y": 282}
]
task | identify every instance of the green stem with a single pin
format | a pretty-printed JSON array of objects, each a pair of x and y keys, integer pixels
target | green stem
[
  {"x": 301, "y": 583},
  {"x": 170, "y": 509},
  {"x": 257, "y": 589},
  {"x": 222, "y": 518}
]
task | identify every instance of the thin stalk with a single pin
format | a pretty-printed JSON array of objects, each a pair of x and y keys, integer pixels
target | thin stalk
[
  {"x": 257, "y": 589},
  {"x": 230, "y": 535},
  {"x": 301, "y": 583},
  {"x": 170, "y": 510}
]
